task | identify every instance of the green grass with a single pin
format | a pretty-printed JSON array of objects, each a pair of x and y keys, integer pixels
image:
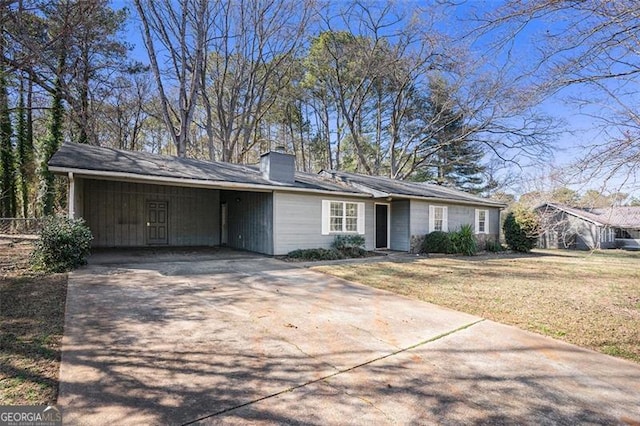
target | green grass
[{"x": 588, "y": 299}]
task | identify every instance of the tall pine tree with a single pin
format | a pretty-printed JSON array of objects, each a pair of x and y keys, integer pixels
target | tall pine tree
[{"x": 455, "y": 160}]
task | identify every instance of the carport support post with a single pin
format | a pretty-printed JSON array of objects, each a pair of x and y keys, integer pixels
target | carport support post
[{"x": 71, "y": 202}]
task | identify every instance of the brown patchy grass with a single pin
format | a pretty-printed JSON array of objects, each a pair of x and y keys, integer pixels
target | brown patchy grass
[
  {"x": 31, "y": 327},
  {"x": 588, "y": 299}
]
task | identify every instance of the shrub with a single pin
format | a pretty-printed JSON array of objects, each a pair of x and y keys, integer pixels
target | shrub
[
  {"x": 348, "y": 242},
  {"x": 463, "y": 241},
  {"x": 521, "y": 229},
  {"x": 315, "y": 254},
  {"x": 437, "y": 242},
  {"x": 353, "y": 252},
  {"x": 62, "y": 246},
  {"x": 493, "y": 247}
]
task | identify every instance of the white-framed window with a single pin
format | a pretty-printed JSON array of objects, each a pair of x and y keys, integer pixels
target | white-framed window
[
  {"x": 482, "y": 221},
  {"x": 438, "y": 219},
  {"x": 340, "y": 217}
]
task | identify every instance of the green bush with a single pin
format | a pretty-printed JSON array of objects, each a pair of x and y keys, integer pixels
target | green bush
[
  {"x": 521, "y": 229},
  {"x": 316, "y": 254},
  {"x": 343, "y": 247},
  {"x": 353, "y": 252},
  {"x": 493, "y": 247},
  {"x": 63, "y": 245},
  {"x": 463, "y": 241},
  {"x": 437, "y": 242},
  {"x": 348, "y": 242}
]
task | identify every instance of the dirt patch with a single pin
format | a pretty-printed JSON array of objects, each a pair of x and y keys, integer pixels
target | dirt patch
[
  {"x": 588, "y": 299},
  {"x": 31, "y": 327}
]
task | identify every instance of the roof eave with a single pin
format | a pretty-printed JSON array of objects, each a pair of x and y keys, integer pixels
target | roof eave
[
  {"x": 450, "y": 200},
  {"x": 87, "y": 173},
  {"x": 574, "y": 214}
]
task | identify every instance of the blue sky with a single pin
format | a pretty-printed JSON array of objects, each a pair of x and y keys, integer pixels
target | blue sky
[{"x": 569, "y": 145}]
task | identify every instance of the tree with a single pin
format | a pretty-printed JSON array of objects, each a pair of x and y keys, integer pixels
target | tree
[
  {"x": 453, "y": 160},
  {"x": 521, "y": 230},
  {"x": 254, "y": 48},
  {"x": 24, "y": 144},
  {"x": 596, "y": 199},
  {"x": 566, "y": 196},
  {"x": 95, "y": 54},
  {"x": 50, "y": 144},
  {"x": 181, "y": 29},
  {"x": 7, "y": 167},
  {"x": 587, "y": 55}
]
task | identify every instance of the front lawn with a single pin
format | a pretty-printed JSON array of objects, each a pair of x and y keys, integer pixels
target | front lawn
[
  {"x": 588, "y": 299},
  {"x": 31, "y": 326}
]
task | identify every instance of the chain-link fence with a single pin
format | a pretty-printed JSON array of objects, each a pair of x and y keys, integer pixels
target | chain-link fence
[{"x": 20, "y": 226}]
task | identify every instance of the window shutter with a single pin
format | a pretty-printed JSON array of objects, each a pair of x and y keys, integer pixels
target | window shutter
[
  {"x": 477, "y": 226},
  {"x": 445, "y": 219},
  {"x": 486, "y": 221},
  {"x": 361, "y": 219},
  {"x": 431, "y": 219},
  {"x": 325, "y": 217}
]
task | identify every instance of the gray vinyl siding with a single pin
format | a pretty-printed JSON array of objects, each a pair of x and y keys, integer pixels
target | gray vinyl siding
[
  {"x": 79, "y": 198},
  {"x": 399, "y": 225},
  {"x": 564, "y": 230},
  {"x": 419, "y": 217},
  {"x": 298, "y": 221},
  {"x": 115, "y": 213},
  {"x": 250, "y": 220},
  {"x": 584, "y": 234},
  {"x": 494, "y": 222},
  {"x": 457, "y": 215}
]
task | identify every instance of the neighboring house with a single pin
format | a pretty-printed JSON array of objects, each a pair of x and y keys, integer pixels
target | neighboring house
[
  {"x": 589, "y": 228},
  {"x": 133, "y": 199}
]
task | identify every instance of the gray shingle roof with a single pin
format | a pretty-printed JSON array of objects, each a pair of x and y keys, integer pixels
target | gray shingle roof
[
  {"x": 143, "y": 164},
  {"x": 81, "y": 157},
  {"x": 411, "y": 189},
  {"x": 620, "y": 217}
]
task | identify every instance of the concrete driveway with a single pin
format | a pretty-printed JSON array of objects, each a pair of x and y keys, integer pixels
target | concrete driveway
[{"x": 245, "y": 339}]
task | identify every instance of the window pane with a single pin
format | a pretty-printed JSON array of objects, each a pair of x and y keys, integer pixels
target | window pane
[
  {"x": 352, "y": 224},
  {"x": 437, "y": 224},
  {"x": 352, "y": 210},
  {"x": 336, "y": 224},
  {"x": 482, "y": 214},
  {"x": 437, "y": 213},
  {"x": 336, "y": 209}
]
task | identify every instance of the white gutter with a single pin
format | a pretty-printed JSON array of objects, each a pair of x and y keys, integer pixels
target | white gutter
[{"x": 194, "y": 182}]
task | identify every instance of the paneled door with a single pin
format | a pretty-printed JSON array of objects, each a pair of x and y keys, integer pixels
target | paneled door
[{"x": 157, "y": 223}]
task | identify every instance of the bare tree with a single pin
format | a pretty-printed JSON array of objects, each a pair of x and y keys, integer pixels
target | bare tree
[
  {"x": 587, "y": 52},
  {"x": 253, "y": 49},
  {"x": 175, "y": 34}
]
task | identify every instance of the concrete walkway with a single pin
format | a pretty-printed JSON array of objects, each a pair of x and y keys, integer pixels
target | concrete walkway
[{"x": 247, "y": 339}]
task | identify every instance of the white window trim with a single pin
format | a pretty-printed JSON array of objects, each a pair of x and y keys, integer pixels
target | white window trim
[
  {"x": 486, "y": 221},
  {"x": 326, "y": 218},
  {"x": 432, "y": 217}
]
